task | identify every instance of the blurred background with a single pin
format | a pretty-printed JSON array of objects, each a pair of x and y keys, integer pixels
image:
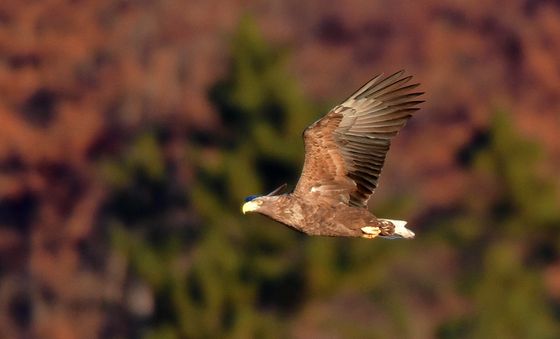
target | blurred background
[{"x": 131, "y": 131}]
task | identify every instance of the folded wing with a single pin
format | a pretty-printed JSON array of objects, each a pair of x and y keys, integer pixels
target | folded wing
[{"x": 346, "y": 149}]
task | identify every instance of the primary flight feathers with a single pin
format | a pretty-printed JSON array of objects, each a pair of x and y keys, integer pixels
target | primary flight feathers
[{"x": 345, "y": 150}]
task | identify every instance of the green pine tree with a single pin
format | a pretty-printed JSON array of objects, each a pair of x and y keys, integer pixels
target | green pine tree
[{"x": 509, "y": 216}]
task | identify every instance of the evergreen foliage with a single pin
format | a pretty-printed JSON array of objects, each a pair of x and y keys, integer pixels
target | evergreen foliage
[
  {"x": 218, "y": 274},
  {"x": 509, "y": 214}
]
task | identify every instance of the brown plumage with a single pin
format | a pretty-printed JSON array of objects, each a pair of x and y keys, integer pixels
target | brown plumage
[{"x": 344, "y": 154}]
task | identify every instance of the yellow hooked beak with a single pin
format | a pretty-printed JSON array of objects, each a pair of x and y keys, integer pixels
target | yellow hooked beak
[{"x": 249, "y": 207}]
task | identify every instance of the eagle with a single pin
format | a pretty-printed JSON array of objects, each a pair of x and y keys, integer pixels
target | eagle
[{"x": 344, "y": 154}]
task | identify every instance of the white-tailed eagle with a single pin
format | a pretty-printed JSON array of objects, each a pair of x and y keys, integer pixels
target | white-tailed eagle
[{"x": 344, "y": 153}]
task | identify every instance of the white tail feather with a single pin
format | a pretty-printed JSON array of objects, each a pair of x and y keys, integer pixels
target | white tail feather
[{"x": 400, "y": 229}]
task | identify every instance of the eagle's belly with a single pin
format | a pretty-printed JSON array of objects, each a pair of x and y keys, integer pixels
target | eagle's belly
[
  {"x": 348, "y": 221},
  {"x": 341, "y": 220},
  {"x": 317, "y": 218}
]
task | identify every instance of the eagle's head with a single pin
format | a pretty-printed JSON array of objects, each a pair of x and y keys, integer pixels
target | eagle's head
[
  {"x": 253, "y": 203},
  {"x": 262, "y": 204},
  {"x": 277, "y": 207}
]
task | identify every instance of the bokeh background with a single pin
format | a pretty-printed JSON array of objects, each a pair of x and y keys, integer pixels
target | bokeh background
[{"x": 131, "y": 131}]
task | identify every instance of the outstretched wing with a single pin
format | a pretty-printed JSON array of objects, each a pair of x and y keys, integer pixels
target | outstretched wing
[{"x": 345, "y": 150}]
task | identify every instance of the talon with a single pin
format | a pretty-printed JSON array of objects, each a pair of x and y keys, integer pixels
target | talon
[{"x": 370, "y": 232}]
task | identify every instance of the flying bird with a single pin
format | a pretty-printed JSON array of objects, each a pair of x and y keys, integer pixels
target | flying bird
[{"x": 344, "y": 154}]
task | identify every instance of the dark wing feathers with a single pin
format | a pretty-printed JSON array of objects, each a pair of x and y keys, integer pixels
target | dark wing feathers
[{"x": 346, "y": 149}]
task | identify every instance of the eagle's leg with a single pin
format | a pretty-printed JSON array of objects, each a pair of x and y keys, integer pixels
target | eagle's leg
[{"x": 370, "y": 232}]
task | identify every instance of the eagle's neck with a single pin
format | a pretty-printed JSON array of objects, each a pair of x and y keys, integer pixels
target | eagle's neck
[{"x": 289, "y": 210}]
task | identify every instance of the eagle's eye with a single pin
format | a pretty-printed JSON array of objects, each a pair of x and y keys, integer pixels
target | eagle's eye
[{"x": 251, "y": 197}]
